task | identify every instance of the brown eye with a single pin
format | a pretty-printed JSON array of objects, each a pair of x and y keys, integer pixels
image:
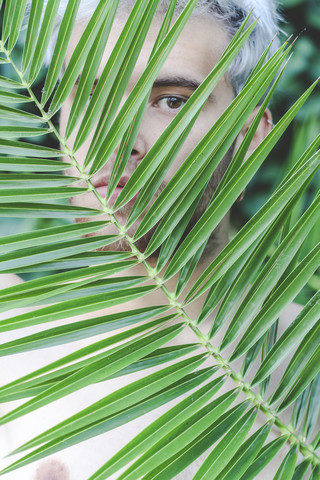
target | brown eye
[
  {"x": 174, "y": 102},
  {"x": 171, "y": 104}
]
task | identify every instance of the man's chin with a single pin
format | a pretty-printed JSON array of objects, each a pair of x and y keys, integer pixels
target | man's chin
[{"x": 121, "y": 216}]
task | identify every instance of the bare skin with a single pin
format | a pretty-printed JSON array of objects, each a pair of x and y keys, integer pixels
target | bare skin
[{"x": 193, "y": 57}]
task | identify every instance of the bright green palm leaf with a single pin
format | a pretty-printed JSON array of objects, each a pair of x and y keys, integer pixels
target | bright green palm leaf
[
  {"x": 219, "y": 290},
  {"x": 11, "y": 97},
  {"x": 7, "y": 19},
  {"x": 37, "y": 386},
  {"x": 110, "y": 422},
  {"x": 315, "y": 473},
  {"x": 305, "y": 351},
  {"x": 89, "y": 71},
  {"x": 206, "y": 419},
  {"x": 300, "y": 407},
  {"x": 283, "y": 295},
  {"x": 79, "y": 56},
  {"x": 8, "y": 195},
  {"x": 136, "y": 315},
  {"x": 269, "y": 275},
  {"x": 58, "y": 55},
  {"x": 16, "y": 22},
  {"x": 165, "y": 142},
  {"x": 19, "y": 164},
  {"x": 80, "y": 260},
  {"x": 301, "y": 470},
  {"x": 257, "y": 253},
  {"x": 9, "y": 83},
  {"x": 266, "y": 454},
  {"x": 137, "y": 96},
  {"x": 178, "y": 462},
  {"x": 156, "y": 358},
  {"x": 20, "y": 116},
  {"x": 23, "y": 180},
  {"x": 91, "y": 287},
  {"x": 243, "y": 239},
  {"x": 308, "y": 374},
  {"x": 20, "y": 132},
  {"x": 240, "y": 154},
  {"x": 160, "y": 427},
  {"x": 48, "y": 235},
  {"x": 75, "y": 331},
  {"x": 116, "y": 401},
  {"x": 124, "y": 398},
  {"x": 71, "y": 308},
  {"x": 209, "y": 152},
  {"x": 97, "y": 370},
  {"x": 46, "y": 210},
  {"x": 226, "y": 448},
  {"x": 295, "y": 333},
  {"x": 128, "y": 140},
  {"x": 32, "y": 31},
  {"x": 71, "y": 276},
  {"x": 229, "y": 194},
  {"x": 287, "y": 467},
  {"x": 124, "y": 74},
  {"x": 110, "y": 72},
  {"x": 154, "y": 182},
  {"x": 15, "y": 260},
  {"x": 169, "y": 246},
  {"x": 45, "y": 32},
  {"x": 67, "y": 291},
  {"x": 13, "y": 147},
  {"x": 246, "y": 454},
  {"x": 313, "y": 409}
]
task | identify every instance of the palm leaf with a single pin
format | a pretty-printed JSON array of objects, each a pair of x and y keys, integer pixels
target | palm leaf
[{"x": 251, "y": 285}]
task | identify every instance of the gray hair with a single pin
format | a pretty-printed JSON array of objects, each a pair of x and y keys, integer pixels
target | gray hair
[{"x": 231, "y": 13}]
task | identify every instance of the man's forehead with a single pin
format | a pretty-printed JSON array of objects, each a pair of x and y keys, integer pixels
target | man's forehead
[{"x": 197, "y": 50}]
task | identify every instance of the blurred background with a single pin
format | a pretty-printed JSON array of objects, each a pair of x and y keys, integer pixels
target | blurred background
[{"x": 302, "y": 20}]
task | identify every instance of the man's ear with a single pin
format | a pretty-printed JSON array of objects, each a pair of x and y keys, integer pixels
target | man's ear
[{"x": 262, "y": 131}]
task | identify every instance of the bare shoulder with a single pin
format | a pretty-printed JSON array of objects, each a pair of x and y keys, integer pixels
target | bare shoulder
[{"x": 8, "y": 280}]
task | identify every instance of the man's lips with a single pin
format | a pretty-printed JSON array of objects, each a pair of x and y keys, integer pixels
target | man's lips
[
  {"x": 101, "y": 186},
  {"x": 102, "y": 190}
]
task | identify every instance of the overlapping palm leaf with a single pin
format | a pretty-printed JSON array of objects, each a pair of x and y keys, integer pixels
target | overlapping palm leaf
[{"x": 250, "y": 286}]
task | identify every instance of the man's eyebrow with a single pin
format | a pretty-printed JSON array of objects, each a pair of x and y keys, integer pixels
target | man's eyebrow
[{"x": 176, "y": 81}]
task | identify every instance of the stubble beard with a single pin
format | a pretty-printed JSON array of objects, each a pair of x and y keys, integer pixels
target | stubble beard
[{"x": 122, "y": 245}]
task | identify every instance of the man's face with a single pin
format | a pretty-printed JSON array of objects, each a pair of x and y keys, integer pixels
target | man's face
[{"x": 196, "y": 52}]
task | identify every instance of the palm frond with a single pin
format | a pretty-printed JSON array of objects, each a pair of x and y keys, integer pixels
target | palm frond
[{"x": 250, "y": 286}]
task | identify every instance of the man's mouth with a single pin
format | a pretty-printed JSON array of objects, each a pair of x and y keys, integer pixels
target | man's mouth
[{"x": 101, "y": 186}]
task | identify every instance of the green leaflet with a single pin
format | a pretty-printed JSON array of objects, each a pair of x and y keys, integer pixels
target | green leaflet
[
  {"x": 286, "y": 469},
  {"x": 18, "y": 164},
  {"x": 97, "y": 370},
  {"x": 206, "y": 424},
  {"x": 226, "y": 448},
  {"x": 38, "y": 54},
  {"x": 292, "y": 336},
  {"x": 60, "y": 49},
  {"x": 73, "y": 307},
  {"x": 32, "y": 31},
  {"x": 88, "y": 280},
  {"x": 78, "y": 56},
  {"x": 121, "y": 398}
]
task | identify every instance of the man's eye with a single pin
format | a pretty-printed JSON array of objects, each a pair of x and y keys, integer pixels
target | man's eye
[{"x": 171, "y": 104}]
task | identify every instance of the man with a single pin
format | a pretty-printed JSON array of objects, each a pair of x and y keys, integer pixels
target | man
[{"x": 198, "y": 49}]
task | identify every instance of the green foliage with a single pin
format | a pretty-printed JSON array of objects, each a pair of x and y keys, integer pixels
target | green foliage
[{"x": 252, "y": 280}]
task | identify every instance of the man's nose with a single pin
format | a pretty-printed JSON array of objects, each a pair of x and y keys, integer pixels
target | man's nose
[{"x": 139, "y": 149}]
